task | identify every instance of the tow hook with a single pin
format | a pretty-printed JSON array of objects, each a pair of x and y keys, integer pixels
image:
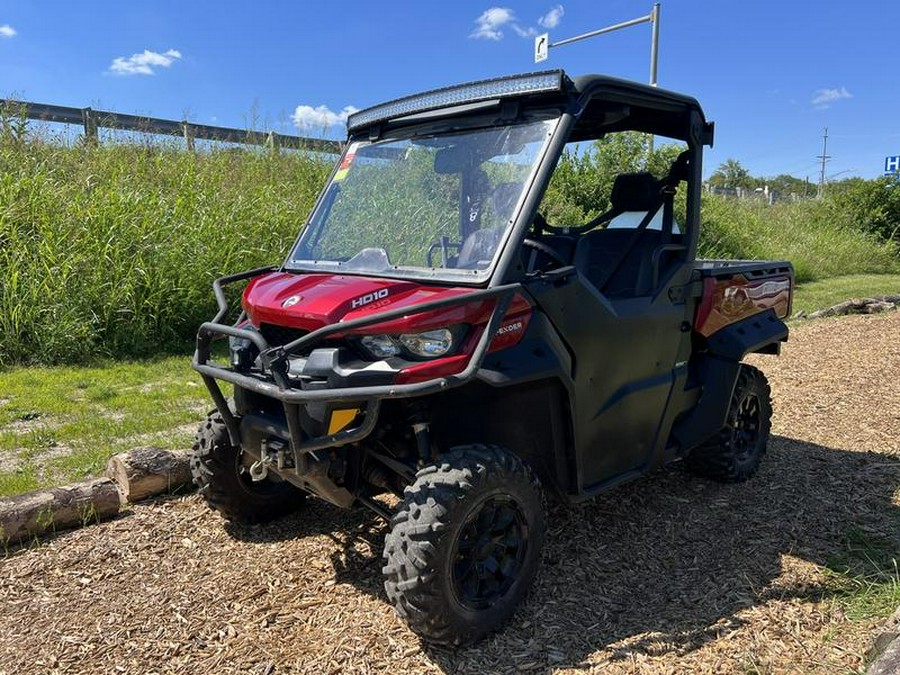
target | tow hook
[
  {"x": 258, "y": 471},
  {"x": 272, "y": 453}
]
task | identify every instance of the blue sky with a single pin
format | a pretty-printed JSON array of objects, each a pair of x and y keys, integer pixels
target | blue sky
[{"x": 770, "y": 73}]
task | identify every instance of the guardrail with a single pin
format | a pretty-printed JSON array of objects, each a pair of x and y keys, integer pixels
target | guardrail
[{"x": 92, "y": 120}]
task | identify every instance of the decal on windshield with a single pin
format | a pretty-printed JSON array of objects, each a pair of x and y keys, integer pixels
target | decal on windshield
[{"x": 344, "y": 168}]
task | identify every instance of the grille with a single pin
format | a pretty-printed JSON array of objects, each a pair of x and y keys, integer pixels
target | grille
[{"x": 280, "y": 335}]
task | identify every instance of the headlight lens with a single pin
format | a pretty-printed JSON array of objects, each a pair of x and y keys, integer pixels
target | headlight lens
[
  {"x": 380, "y": 346},
  {"x": 243, "y": 352},
  {"x": 429, "y": 344}
]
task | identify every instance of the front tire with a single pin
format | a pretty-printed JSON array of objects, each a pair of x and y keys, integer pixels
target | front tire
[
  {"x": 465, "y": 544},
  {"x": 734, "y": 453},
  {"x": 222, "y": 477}
]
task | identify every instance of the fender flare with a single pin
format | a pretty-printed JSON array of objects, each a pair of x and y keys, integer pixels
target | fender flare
[
  {"x": 753, "y": 334},
  {"x": 717, "y": 370}
]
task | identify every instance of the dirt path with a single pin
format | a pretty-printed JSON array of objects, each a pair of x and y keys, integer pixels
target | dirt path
[{"x": 670, "y": 575}]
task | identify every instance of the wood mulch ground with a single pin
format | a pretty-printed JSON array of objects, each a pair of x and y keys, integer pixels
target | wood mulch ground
[{"x": 672, "y": 574}]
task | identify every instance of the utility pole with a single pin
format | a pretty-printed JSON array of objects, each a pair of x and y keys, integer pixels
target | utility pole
[{"x": 824, "y": 157}]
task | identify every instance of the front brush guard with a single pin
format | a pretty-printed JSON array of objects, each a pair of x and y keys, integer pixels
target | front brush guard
[{"x": 274, "y": 382}]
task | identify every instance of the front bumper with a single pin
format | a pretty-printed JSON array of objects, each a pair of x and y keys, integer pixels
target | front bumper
[{"x": 274, "y": 381}]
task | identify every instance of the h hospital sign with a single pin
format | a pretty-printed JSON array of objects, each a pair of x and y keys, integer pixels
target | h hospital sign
[{"x": 891, "y": 165}]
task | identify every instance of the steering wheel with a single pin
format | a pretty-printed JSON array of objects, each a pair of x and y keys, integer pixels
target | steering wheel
[
  {"x": 544, "y": 248},
  {"x": 444, "y": 245}
]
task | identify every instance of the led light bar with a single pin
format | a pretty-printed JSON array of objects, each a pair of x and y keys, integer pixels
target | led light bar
[{"x": 500, "y": 87}]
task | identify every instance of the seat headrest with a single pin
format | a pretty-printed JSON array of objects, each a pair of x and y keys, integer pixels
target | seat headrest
[
  {"x": 504, "y": 197},
  {"x": 635, "y": 192}
]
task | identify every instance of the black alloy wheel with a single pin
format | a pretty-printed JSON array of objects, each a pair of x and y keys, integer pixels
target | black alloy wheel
[
  {"x": 734, "y": 453},
  {"x": 490, "y": 552},
  {"x": 221, "y": 472}
]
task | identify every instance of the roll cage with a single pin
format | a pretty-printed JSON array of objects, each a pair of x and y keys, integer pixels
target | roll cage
[{"x": 591, "y": 106}]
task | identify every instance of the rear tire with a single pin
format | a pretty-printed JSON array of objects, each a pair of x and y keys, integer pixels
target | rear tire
[
  {"x": 734, "y": 453},
  {"x": 465, "y": 544},
  {"x": 220, "y": 473}
]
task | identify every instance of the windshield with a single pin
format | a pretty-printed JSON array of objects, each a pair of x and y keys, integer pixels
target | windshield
[{"x": 437, "y": 206}]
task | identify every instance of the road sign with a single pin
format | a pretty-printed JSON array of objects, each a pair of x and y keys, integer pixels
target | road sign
[
  {"x": 891, "y": 165},
  {"x": 541, "y": 47}
]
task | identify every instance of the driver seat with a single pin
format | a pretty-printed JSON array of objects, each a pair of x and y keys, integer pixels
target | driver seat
[
  {"x": 479, "y": 247},
  {"x": 599, "y": 250}
]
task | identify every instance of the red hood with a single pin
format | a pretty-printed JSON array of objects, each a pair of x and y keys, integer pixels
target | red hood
[{"x": 311, "y": 301}]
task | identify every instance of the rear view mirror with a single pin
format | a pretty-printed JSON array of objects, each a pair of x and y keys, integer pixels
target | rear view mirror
[{"x": 453, "y": 159}]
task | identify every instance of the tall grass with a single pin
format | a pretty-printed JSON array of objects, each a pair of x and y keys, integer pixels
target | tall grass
[
  {"x": 816, "y": 236},
  {"x": 112, "y": 249}
]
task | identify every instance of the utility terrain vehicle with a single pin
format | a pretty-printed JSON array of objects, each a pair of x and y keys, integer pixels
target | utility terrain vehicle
[{"x": 431, "y": 336}]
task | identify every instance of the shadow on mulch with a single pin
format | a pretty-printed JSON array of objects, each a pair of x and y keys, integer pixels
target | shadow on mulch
[{"x": 665, "y": 563}]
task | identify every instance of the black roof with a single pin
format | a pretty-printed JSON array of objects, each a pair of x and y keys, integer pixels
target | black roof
[
  {"x": 640, "y": 107},
  {"x": 606, "y": 104}
]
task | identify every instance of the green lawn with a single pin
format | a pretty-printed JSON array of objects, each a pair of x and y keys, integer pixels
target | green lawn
[
  {"x": 62, "y": 423},
  {"x": 864, "y": 578},
  {"x": 815, "y": 295}
]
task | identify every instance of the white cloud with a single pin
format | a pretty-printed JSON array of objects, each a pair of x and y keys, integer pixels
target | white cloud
[
  {"x": 489, "y": 23},
  {"x": 320, "y": 117},
  {"x": 523, "y": 32},
  {"x": 488, "y": 26},
  {"x": 823, "y": 98},
  {"x": 143, "y": 63},
  {"x": 7, "y": 31},
  {"x": 552, "y": 18}
]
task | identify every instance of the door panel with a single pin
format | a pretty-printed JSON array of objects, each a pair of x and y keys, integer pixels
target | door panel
[{"x": 625, "y": 352}]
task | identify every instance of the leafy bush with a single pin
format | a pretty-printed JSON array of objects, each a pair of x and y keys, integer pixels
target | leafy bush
[
  {"x": 583, "y": 180},
  {"x": 870, "y": 205}
]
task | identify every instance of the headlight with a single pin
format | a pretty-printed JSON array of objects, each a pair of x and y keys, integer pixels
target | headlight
[
  {"x": 429, "y": 344},
  {"x": 380, "y": 346},
  {"x": 243, "y": 353}
]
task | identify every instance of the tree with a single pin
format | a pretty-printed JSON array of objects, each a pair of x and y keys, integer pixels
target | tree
[
  {"x": 785, "y": 185},
  {"x": 731, "y": 173}
]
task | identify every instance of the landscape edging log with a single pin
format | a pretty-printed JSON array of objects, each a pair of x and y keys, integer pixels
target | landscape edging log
[
  {"x": 888, "y": 663},
  {"x": 145, "y": 472},
  {"x": 41, "y": 511},
  {"x": 881, "y": 303},
  {"x": 885, "y": 651}
]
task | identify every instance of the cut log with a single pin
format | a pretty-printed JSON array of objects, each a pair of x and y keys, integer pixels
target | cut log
[
  {"x": 889, "y": 635},
  {"x": 888, "y": 663},
  {"x": 881, "y": 303},
  {"x": 144, "y": 472},
  {"x": 35, "y": 513}
]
